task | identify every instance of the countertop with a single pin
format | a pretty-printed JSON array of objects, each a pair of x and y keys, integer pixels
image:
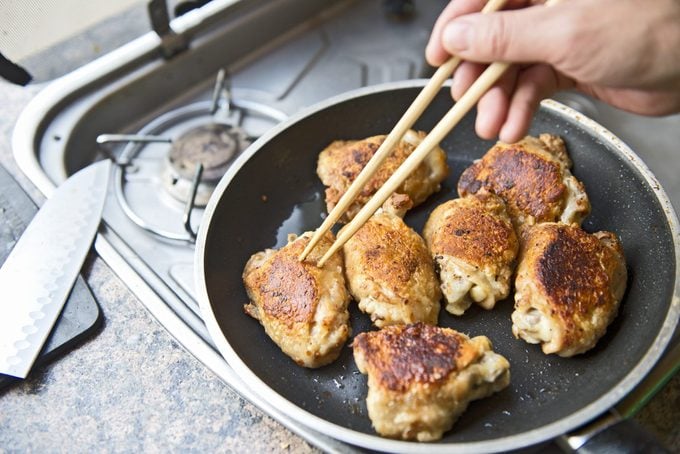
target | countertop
[{"x": 132, "y": 387}]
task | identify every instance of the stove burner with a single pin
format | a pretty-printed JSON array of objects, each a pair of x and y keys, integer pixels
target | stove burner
[
  {"x": 205, "y": 137},
  {"x": 215, "y": 146}
]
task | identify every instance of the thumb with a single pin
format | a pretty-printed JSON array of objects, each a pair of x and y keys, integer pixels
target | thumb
[{"x": 525, "y": 35}]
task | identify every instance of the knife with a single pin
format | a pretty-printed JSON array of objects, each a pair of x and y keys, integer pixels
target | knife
[{"x": 37, "y": 276}]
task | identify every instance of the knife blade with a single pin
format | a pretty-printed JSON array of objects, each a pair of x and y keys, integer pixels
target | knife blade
[{"x": 39, "y": 273}]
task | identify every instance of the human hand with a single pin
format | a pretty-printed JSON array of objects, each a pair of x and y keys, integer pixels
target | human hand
[{"x": 623, "y": 52}]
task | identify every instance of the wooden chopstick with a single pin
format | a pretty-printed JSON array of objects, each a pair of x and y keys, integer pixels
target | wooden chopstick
[
  {"x": 489, "y": 77},
  {"x": 407, "y": 120},
  {"x": 412, "y": 114}
]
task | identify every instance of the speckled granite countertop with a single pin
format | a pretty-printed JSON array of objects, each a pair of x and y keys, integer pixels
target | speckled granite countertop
[{"x": 133, "y": 388}]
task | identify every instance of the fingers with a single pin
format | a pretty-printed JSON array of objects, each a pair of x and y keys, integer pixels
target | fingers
[
  {"x": 525, "y": 35},
  {"x": 534, "y": 84},
  {"x": 434, "y": 52},
  {"x": 639, "y": 101},
  {"x": 464, "y": 76},
  {"x": 618, "y": 57},
  {"x": 492, "y": 108}
]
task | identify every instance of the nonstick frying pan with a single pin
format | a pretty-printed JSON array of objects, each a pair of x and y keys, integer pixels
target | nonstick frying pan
[{"x": 273, "y": 190}]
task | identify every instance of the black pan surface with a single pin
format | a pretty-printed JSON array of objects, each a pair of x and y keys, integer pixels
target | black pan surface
[{"x": 275, "y": 191}]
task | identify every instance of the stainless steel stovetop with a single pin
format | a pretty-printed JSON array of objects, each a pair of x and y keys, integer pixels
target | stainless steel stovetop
[{"x": 276, "y": 57}]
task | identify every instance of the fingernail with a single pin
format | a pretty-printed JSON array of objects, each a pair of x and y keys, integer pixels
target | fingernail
[{"x": 457, "y": 36}]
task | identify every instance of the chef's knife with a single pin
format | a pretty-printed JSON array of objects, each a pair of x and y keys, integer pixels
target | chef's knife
[{"x": 41, "y": 269}]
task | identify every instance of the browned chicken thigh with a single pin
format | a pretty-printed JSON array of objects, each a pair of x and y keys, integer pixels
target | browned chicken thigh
[
  {"x": 302, "y": 308},
  {"x": 421, "y": 377},
  {"x": 390, "y": 271},
  {"x": 474, "y": 244},
  {"x": 341, "y": 162},
  {"x": 568, "y": 288},
  {"x": 533, "y": 178}
]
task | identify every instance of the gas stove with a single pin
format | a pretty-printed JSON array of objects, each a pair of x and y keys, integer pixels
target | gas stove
[{"x": 174, "y": 110}]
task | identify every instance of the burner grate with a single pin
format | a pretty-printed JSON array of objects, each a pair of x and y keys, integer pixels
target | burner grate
[{"x": 174, "y": 163}]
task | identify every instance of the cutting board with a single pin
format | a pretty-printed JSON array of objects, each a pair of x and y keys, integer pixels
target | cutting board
[{"x": 81, "y": 315}]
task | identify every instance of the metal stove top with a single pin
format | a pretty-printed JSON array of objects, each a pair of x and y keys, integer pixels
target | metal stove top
[
  {"x": 277, "y": 58},
  {"x": 140, "y": 107}
]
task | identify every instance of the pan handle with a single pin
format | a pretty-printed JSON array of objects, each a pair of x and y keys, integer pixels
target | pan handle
[
  {"x": 611, "y": 434},
  {"x": 615, "y": 431}
]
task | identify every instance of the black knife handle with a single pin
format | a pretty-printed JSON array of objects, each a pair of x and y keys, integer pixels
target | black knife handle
[{"x": 13, "y": 72}]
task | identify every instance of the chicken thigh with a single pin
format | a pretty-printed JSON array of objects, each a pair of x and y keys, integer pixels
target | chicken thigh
[
  {"x": 474, "y": 245},
  {"x": 533, "y": 178},
  {"x": 341, "y": 162},
  {"x": 389, "y": 269},
  {"x": 568, "y": 288},
  {"x": 421, "y": 377},
  {"x": 303, "y": 308}
]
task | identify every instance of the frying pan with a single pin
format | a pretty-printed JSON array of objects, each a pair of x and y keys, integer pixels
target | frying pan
[{"x": 273, "y": 190}]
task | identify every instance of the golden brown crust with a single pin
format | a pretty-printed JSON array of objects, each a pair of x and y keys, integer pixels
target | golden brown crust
[
  {"x": 532, "y": 176},
  {"x": 569, "y": 286},
  {"x": 474, "y": 245},
  {"x": 303, "y": 308},
  {"x": 288, "y": 300},
  {"x": 389, "y": 252},
  {"x": 390, "y": 271},
  {"x": 476, "y": 229},
  {"x": 350, "y": 157},
  {"x": 341, "y": 162},
  {"x": 407, "y": 354},
  {"x": 530, "y": 183},
  {"x": 571, "y": 271},
  {"x": 421, "y": 378}
]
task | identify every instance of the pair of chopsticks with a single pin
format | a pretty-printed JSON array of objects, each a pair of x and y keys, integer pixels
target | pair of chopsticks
[{"x": 489, "y": 77}]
